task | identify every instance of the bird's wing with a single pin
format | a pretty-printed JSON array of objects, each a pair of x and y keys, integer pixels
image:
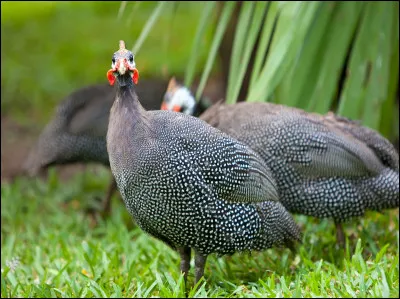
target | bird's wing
[
  {"x": 380, "y": 145},
  {"x": 316, "y": 150},
  {"x": 231, "y": 168},
  {"x": 255, "y": 181},
  {"x": 90, "y": 117}
]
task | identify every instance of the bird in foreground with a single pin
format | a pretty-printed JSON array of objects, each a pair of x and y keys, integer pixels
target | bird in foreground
[
  {"x": 77, "y": 131},
  {"x": 187, "y": 183},
  {"x": 324, "y": 165}
]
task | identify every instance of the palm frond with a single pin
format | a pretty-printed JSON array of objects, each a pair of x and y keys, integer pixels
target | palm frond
[
  {"x": 149, "y": 24},
  {"x": 197, "y": 42},
  {"x": 220, "y": 30},
  {"x": 240, "y": 61}
]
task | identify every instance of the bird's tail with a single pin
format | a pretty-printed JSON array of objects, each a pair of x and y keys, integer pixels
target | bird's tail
[
  {"x": 383, "y": 191},
  {"x": 279, "y": 227}
]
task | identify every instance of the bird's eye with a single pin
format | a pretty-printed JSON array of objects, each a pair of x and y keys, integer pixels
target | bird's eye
[
  {"x": 131, "y": 58},
  {"x": 113, "y": 60}
]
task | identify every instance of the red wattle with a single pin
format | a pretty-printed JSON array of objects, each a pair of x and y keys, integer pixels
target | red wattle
[
  {"x": 111, "y": 77},
  {"x": 135, "y": 76},
  {"x": 164, "y": 106},
  {"x": 176, "y": 108}
]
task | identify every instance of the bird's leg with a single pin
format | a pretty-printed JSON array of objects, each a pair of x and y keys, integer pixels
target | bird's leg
[
  {"x": 107, "y": 202},
  {"x": 199, "y": 263},
  {"x": 340, "y": 237},
  {"x": 185, "y": 261},
  {"x": 185, "y": 264}
]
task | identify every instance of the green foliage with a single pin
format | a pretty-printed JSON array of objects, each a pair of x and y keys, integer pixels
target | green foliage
[
  {"x": 43, "y": 223},
  {"x": 319, "y": 56},
  {"x": 219, "y": 32},
  {"x": 204, "y": 21},
  {"x": 51, "y": 48}
]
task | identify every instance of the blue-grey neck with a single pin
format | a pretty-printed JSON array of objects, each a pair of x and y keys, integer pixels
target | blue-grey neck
[
  {"x": 128, "y": 98},
  {"x": 125, "y": 80}
]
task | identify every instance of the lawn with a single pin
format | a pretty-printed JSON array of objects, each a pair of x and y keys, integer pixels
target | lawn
[{"x": 49, "y": 248}]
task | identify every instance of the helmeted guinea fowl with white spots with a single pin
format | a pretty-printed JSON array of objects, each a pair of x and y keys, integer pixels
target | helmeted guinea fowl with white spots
[
  {"x": 324, "y": 165},
  {"x": 187, "y": 183}
]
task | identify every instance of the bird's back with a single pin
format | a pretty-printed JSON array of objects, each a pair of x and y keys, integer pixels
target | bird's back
[{"x": 323, "y": 167}]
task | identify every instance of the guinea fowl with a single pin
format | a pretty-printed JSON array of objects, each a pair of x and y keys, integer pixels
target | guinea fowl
[
  {"x": 178, "y": 98},
  {"x": 187, "y": 183},
  {"x": 324, "y": 165},
  {"x": 77, "y": 132}
]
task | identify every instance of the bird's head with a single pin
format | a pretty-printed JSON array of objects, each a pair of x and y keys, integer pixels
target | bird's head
[
  {"x": 178, "y": 98},
  {"x": 123, "y": 67}
]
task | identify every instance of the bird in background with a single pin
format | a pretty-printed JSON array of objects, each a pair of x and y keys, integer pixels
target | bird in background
[
  {"x": 77, "y": 131},
  {"x": 325, "y": 166}
]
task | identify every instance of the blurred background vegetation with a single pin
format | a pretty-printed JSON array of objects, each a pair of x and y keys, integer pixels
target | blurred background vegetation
[
  {"x": 319, "y": 56},
  {"x": 50, "y": 48}
]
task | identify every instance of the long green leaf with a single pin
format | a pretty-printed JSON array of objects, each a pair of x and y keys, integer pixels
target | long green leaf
[
  {"x": 197, "y": 42},
  {"x": 149, "y": 24},
  {"x": 265, "y": 39},
  {"x": 377, "y": 89},
  {"x": 223, "y": 22},
  {"x": 278, "y": 51},
  {"x": 337, "y": 43},
  {"x": 173, "y": 7},
  {"x": 389, "y": 107},
  {"x": 353, "y": 97},
  {"x": 121, "y": 9},
  {"x": 242, "y": 28},
  {"x": 133, "y": 11},
  {"x": 306, "y": 64},
  {"x": 285, "y": 47},
  {"x": 235, "y": 85}
]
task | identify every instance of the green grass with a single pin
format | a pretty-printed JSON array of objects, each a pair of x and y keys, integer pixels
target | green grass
[
  {"x": 51, "y": 48},
  {"x": 60, "y": 255}
]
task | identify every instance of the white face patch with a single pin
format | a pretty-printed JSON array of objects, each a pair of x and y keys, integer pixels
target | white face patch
[
  {"x": 132, "y": 64},
  {"x": 183, "y": 98}
]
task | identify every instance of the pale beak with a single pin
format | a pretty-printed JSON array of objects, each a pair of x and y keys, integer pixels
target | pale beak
[{"x": 121, "y": 67}]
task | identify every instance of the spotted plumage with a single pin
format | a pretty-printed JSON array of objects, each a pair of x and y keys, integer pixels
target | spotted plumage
[
  {"x": 190, "y": 185},
  {"x": 324, "y": 166}
]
